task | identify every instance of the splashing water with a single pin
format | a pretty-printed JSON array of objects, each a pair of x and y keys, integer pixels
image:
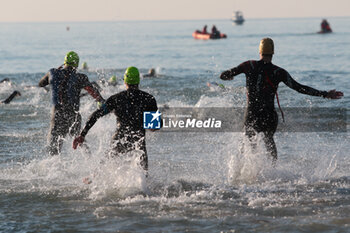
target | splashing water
[{"x": 196, "y": 181}]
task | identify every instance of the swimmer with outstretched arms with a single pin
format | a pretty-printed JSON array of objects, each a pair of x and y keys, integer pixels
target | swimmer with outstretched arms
[{"x": 263, "y": 79}]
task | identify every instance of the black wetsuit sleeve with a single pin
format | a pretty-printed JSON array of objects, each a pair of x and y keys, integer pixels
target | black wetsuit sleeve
[
  {"x": 229, "y": 74},
  {"x": 44, "y": 81},
  {"x": 242, "y": 68},
  {"x": 92, "y": 120},
  {"x": 104, "y": 110},
  {"x": 10, "y": 98},
  {"x": 290, "y": 82}
]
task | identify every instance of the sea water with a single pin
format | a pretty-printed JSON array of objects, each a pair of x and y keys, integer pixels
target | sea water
[{"x": 197, "y": 181}]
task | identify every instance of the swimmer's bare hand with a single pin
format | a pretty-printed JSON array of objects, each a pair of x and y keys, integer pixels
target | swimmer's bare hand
[
  {"x": 333, "y": 94},
  {"x": 78, "y": 141}
]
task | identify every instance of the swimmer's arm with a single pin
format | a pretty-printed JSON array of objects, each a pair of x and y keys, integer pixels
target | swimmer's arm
[
  {"x": 94, "y": 93},
  {"x": 92, "y": 120},
  {"x": 290, "y": 82},
  {"x": 44, "y": 81},
  {"x": 92, "y": 90},
  {"x": 230, "y": 74},
  {"x": 10, "y": 98}
]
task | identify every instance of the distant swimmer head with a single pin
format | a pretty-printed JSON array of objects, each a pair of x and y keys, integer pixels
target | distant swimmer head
[
  {"x": 266, "y": 46},
  {"x": 113, "y": 80},
  {"x": 71, "y": 59},
  {"x": 132, "y": 76},
  {"x": 152, "y": 72},
  {"x": 84, "y": 66}
]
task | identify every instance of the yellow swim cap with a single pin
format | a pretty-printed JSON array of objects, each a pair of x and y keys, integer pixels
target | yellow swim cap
[{"x": 266, "y": 46}]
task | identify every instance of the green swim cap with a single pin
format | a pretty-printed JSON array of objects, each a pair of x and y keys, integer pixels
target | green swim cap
[
  {"x": 71, "y": 59},
  {"x": 132, "y": 76}
]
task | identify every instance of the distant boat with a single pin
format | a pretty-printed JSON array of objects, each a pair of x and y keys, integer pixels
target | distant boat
[
  {"x": 206, "y": 36},
  {"x": 237, "y": 17}
]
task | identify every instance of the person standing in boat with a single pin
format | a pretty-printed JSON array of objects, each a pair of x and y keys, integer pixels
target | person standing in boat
[{"x": 215, "y": 32}]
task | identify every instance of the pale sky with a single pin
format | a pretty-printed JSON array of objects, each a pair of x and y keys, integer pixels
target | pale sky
[{"x": 116, "y": 10}]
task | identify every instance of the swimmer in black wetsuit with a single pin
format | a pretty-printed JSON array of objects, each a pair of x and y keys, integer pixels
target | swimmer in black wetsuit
[
  {"x": 128, "y": 106},
  {"x": 66, "y": 85},
  {"x": 262, "y": 82}
]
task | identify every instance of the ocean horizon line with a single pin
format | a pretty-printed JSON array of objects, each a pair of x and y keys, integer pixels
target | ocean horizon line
[{"x": 171, "y": 20}]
